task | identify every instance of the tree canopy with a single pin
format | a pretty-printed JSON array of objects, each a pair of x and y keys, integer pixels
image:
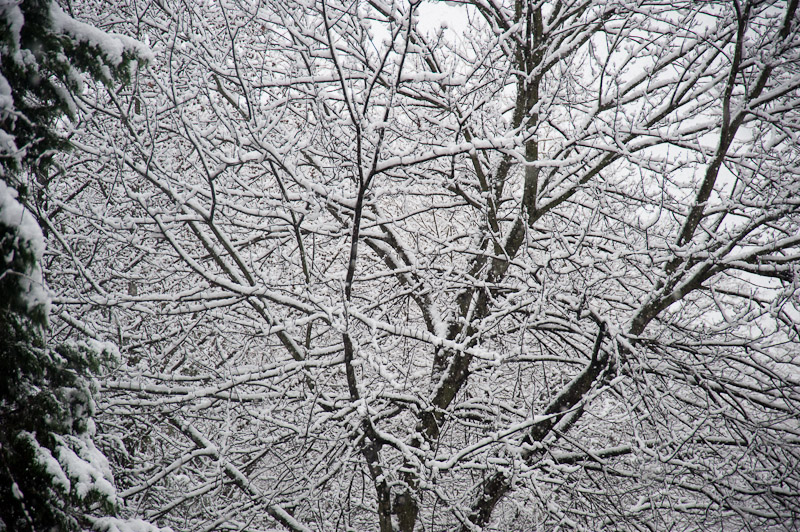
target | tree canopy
[
  {"x": 534, "y": 269},
  {"x": 52, "y": 477}
]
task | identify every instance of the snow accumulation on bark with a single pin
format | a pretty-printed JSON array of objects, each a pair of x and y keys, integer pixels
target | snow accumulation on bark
[
  {"x": 52, "y": 476},
  {"x": 535, "y": 270}
]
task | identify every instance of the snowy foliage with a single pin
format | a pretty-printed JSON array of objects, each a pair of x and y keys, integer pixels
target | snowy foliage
[
  {"x": 24, "y": 238},
  {"x": 113, "y": 524},
  {"x": 52, "y": 476},
  {"x": 370, "y": 273},
  {"x": 44, "y": 54},
  {"x": 51, "y": 469}
]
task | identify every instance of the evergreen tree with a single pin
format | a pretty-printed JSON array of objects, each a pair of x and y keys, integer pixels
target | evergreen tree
[
  {"x": 51, "y": 474},
  {"x": 43, "y": 53},
  {"x": 49, "y": 468}
]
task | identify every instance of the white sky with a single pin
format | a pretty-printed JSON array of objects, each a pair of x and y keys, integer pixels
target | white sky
[{"x": 434, "y": 12}]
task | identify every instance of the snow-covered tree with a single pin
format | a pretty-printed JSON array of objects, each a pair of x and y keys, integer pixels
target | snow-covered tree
[
  {"x": 534, "y": 271},
  {"x": 43, "y": 54},
  {"x": 50, "y": 471},
  {"x": 52, "y": 477}
]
